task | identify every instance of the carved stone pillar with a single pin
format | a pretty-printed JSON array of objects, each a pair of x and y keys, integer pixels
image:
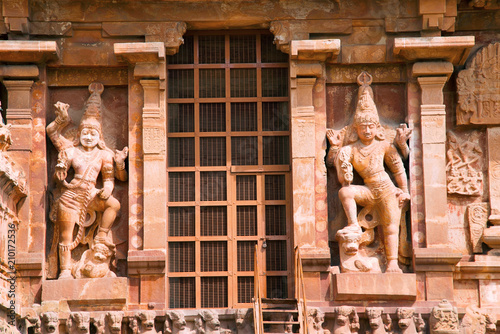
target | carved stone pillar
[
  {"x": 308, "y": 129},
  {"x": 146, "y": 257}
]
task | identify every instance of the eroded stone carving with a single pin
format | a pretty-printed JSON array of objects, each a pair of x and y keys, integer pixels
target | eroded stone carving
[
  {"x": 315, "y": 320},
  {"x": 464, "y": 168},
  {"x": 380, "y": 323},
  {"x": 477, "y": 321},
  {"x": 146, "y": 324},
  {"x": 408, "y": 322},
  {"x": 477, "y": 214},
  {"x": 281, "y": 32},
  {"x": 346, "y": 320},
  {"x": 6, "y": 328},
  {"x": 208, "y": 323},
  {"x": 114, "y": 322},
  {"x": 175, "y": 323},
  {"x": 78, "y": 323},
  {"x": 477, "y": 88},
  {"x": 244, "y": 321},
  {"x": 95, "y": 262},
  {"x": 365, "y": 146},
  {"x": 444, "y": 318},
  {"x": 49, "y": 322},
  {"x": 89, "y": 156}
]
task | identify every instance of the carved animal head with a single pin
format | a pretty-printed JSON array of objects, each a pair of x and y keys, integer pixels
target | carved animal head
[
  {"x": 147, "y": 319},
  {"x": 405, "y": 316},
  {"x": 243, "y": 316},
  {"x": 177, "y": 318},
  {"x": 102, "y": 252},
  {"x": 491, "y": 321},
  {"x": 50, "y": 321},
  {"x": 114, "y": 321},
  {"x": 349, "y": 241},
  {"x": 375, "y": 316},
  {"x": 317, "y": 318},
  {"x": 80, "y": 321},
  {"x": 211, "y": 319},
  {"x": 342, "y": 315}
]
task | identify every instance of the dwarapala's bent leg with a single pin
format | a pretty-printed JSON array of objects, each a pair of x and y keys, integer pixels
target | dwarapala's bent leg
[
  {"x": 110, "y": 208},
  {"x": 352, "y": 196},
  {"x": 390, "y": 217}
]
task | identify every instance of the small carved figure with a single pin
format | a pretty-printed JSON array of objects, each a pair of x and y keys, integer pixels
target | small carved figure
[
  {"x": 50, "y": 322},
  {"x": 346, "y": 320},
  {"x": 315, "y": 320},
  {"x": 99, "y": 323},
  {"x": 444, "y": 318},
  {"x": 354, "y": 259},
  {"x": 114, "y": 322},
  {"x": 365, "y": 148},
  {"x": 177, "y": 324},
  {"x": 464, "y": 169},
  {"x": 6, "y": 328},
  {"x": 375, "y": 319},
  {"x": 89, "y": 156},
  {"x": 211, "y": 321},
  {"x": 408, "y": 322},
  {"x": 133, "y": 325},
  {"x": 476, "y": 321},
  {"x": 78, "y": 323},
  {"x": 244, "y": 321},
  {"x": 147, "y": 322},
  {"x": 95, "y": 262}
]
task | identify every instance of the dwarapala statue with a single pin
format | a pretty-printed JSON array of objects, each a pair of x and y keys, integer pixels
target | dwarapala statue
[
  {"x": 373, "y": 152},
  {"x": 79, "y": 203}
]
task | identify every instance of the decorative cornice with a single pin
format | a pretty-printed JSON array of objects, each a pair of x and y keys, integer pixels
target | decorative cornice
[
  {"x": 28, "y": 51},
  {"x": 319, "y": 50}
]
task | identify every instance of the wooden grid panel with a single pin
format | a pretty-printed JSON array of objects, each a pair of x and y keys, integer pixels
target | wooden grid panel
[{"x": 226, "y": 100}]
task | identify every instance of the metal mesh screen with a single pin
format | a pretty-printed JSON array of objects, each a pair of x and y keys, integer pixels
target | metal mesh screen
[
  {"x": 211, "y": 49},
  {"x": 245, "y": 289},
  {"x": 181, "y": 257},
  {"x": 242, "y": 49},
  {"x": 212, "y": 83},
  {"x": 180, "y": 117},
  {"x": 212, "y": 117},
  {"x": 181, "y": 186},
  {"x": 244, "y": 116},
  {"x": 185, "y": 54},
  {"x": 212, "y": 151},
  {"x": 246, "y": 217},
  {"x": 213, "y": 292},
  {"x": 213, "y": 186},
  {"x": 275, "y": 116},
  {"x": 181, "y": 221},
  {"x": 244, "y": 151},
  {"x": 181, "y": 152},
  {"x": 276, "y": 150},
  {"x": 274, "y": 82},
  {"x": 246, "y": 251},
  {"x": 269, "y": 53},
  {"x": 277, "y": 287},
  {"x": 246, "y": 187},
  {"x": 213, "y": 256},
  {"x": 275, "y": 220},
  {"x": 181, "y": 84},
  {"x": 182, "y": 293},
  {"x": 213, "y": 220},
  {"x": 276, "y": 255},
  {"x": 243, "y": 82},
  {"x": 275, "y": 187}
]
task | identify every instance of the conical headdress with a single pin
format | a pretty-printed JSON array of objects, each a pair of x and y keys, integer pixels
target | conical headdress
[
  {"x": 366, "y": 111},
  {"x": 92, "y": 116}
]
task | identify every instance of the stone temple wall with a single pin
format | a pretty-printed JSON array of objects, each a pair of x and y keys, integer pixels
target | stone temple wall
[{"x": 386, "y": 146}]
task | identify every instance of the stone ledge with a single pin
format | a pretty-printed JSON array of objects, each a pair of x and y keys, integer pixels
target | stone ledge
[
  {"x": 368, "y": 286},
  {"x": 146, "y": 262},
  {"x": 319, "y": 50},
  {"x": 435, "y": 259},
  {"x": 28, "y": 51},
  {"x": 132, "y": 53},
  {"x": 88, "y": 291}
]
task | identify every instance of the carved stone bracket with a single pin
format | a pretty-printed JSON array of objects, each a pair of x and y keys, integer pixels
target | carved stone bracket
[
  {"x": 477, "y": 214},
  {"x": 28, "y": 51},
  {"x": 437, "y": 16},
  {"x": 318, "y": 50},
  {"x": 281, "y": 32}
]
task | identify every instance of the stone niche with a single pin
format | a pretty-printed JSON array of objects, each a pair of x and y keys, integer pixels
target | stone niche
[{"x": 114, "y": 115}]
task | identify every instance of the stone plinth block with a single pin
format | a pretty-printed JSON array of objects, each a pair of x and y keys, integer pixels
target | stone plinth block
[
  {"x": 89, "y": 291},
  {"x": 368, "y": 286}
]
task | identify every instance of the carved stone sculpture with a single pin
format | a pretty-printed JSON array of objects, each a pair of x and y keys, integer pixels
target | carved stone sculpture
[
  {"x": 176, "y": 324},
  {"x": 365, "y": 146},
  {"x": 99, "y": 323},
  {"x": 88, "y": 155},
  {"x": 346, "y": 320},
  {"x": 50, "y": 322},
  {"x": 146, "y": 323},
  {"x": 210, "y": 323},
  {"x": 244, "y": 321},
  {"x": 444, "y": 319},
  {"x": 477, "y": 214},
  {"x": 378, "y": 324},
  {"x": 6, "y": 328},
  {"x": 95, "y": 262},
  {"x": 113, "y": 322},
  {"x": 315, "y": 320},
  {"x": 408, "y": 322},
  {"x": 476, "y": 321},
  {"x": 464, "y": 168},
  {"x": 78, "y": 323}
]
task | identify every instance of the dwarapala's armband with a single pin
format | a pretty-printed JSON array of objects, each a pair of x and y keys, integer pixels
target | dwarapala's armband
[
  {"x": 63, "y": 160},
  {"x": 394, "y": 161},
  {"x": 108, "y": 173}
]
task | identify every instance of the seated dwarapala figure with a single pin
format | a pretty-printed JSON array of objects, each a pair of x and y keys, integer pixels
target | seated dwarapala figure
[{"x": 367, "y": 151}]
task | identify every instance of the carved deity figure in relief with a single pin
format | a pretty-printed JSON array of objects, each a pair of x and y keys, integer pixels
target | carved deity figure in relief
[
  {"x": 89, "y": 157},
  {"x": 463, "y": 168},
  {"x": 315, "y": 320},
  {"x": 372, "y": 151},
  {"x": 444, "y": 318},
  {"x": 477, "y": 321}
]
